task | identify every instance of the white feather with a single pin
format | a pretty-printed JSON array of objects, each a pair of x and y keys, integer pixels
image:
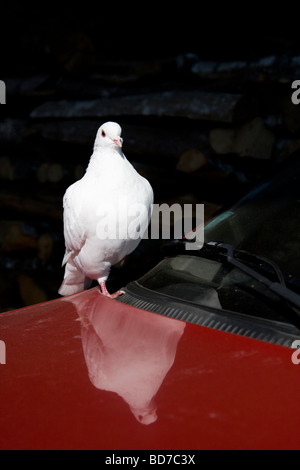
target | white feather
[{"x": 110, "y": 181}]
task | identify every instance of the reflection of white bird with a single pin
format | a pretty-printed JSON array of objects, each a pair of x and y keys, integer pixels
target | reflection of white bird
[
  {"x": 126, "y": 353},
  {"x": 106, "y": 214}
]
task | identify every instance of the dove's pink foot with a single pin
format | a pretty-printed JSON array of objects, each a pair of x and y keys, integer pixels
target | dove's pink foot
[{"x": 106, "y": 293}]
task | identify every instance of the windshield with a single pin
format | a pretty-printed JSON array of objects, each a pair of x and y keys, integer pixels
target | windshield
[
  {"x": 210, "y": 283},
  {"x": 266, "y": 223}
]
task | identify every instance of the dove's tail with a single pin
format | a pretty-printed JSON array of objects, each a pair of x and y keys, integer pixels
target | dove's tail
[{"x": 74, "y": 280}]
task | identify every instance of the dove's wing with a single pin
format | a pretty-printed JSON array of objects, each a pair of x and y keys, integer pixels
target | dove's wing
[{"x": 74, "y": 231}]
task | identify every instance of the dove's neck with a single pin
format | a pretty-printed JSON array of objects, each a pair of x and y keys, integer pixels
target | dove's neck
[{"x": 104, "y": 159}]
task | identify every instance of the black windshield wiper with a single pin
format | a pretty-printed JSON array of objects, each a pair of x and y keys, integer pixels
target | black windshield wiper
[{"x": 278, "y": 288}]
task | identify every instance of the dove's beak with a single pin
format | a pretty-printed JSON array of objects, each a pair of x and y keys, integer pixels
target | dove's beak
[{"x": 118, "y": 141}]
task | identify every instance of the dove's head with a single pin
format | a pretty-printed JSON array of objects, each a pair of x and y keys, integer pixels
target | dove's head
[{"x": 109, "y": 135}]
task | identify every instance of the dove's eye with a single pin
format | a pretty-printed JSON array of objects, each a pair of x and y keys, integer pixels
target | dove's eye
[{"x": 103, "y": 134}]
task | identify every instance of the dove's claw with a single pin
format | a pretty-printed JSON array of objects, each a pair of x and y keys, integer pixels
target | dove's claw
[
  {"x": 106, "y": 293},
  {"x": 116, "y": 294}
]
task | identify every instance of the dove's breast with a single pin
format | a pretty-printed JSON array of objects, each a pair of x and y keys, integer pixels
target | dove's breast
[{"x": 106, "y": 215}]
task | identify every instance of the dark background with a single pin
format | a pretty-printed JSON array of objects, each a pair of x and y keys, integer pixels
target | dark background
[{"x": 54, "y": 56}]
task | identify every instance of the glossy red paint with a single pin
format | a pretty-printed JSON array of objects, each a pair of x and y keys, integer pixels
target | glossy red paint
[{"x": 87, "y": 372}]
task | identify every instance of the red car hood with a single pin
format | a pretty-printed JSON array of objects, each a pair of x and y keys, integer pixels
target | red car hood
[{"x": 88, "y": 372}]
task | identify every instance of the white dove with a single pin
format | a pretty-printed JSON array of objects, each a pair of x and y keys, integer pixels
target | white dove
[{"x": 106, "y": 213}]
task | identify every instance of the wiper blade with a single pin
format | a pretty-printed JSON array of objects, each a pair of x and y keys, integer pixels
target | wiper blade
[
  {"x": 260, "y": 262},
  {"x": 277, "y": 287}
]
